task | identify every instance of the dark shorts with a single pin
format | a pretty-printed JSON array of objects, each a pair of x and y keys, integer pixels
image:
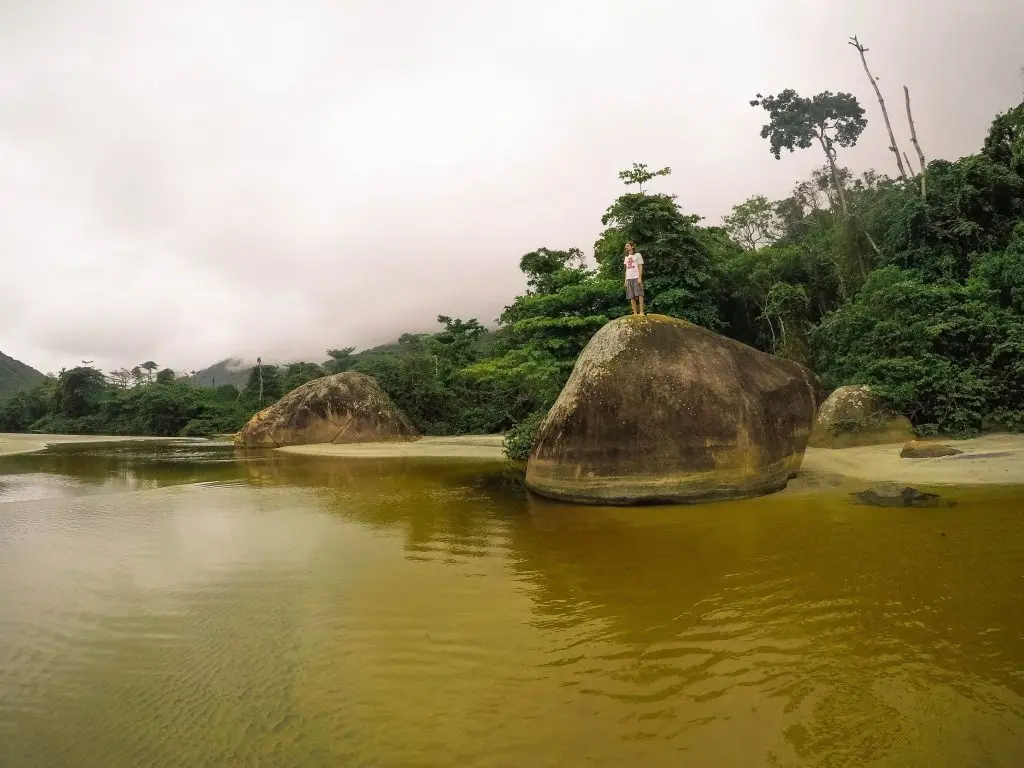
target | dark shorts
[{"x": 634, "y": 290}]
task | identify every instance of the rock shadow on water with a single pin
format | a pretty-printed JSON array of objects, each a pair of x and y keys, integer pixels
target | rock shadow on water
[{"x": 895, "y": 495}]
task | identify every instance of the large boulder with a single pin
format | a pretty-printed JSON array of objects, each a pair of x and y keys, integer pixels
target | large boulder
[
  {"x": 658, "y": 410},
  {"x": 344, "y": 408},
  {"x": 854, "y": 416}
]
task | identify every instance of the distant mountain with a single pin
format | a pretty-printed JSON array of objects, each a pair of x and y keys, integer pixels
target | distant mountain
[
  {"x": 233, "y": 371},
  {"x": 16, "y": 376}
]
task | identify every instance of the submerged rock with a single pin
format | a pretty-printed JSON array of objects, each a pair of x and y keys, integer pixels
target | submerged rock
[
  {"x": 899, "y": 496},
  {"x": 916, "y": 449},
  {"x": 661, "y": 410},
  {"x": 347, "y": 407},
  {"x": 853, "y": 416}
]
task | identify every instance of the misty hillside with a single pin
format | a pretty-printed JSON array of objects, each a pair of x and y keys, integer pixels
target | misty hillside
[
  {"x": 231, "y": 371},
  {"x": 16, "y": 376}
]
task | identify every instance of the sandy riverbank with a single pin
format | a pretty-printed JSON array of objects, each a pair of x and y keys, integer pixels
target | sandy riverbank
[
  {"x": 989, "y": 460},
  {"x": 11, "y": 443},
  {"x": 479, "y": 447}
]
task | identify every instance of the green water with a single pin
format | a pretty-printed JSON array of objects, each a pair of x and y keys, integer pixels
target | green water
[{"x": 171, "y": 605}]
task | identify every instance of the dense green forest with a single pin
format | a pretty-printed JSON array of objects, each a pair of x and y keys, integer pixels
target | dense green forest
[{"x": 913, "y": 284}]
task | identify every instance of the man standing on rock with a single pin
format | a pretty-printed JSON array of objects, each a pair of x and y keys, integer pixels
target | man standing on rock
[{"x": 634, "y": 278}]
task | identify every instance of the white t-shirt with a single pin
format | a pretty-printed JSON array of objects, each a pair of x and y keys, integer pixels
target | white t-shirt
[{"x": 633, "y": 262}]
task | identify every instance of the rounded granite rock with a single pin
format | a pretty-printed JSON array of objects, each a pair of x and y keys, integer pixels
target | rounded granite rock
[
  {"x": 658, "y": 410},
  {"x": 853, "y": 416},
  {"x": 346, "y": 407}
]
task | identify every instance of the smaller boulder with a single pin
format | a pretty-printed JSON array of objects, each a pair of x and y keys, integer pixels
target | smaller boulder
[
  {"x": 898, "y": 496},
  {"x": 346, "y": 407},
  {"x": 916, "y": 449},
  {"x": 853, "y": 416}
]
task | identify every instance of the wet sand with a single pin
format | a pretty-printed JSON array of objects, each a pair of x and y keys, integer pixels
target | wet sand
[
  {"x": 989, "y": 460},
  {"x": 11, "y": 443},
  {"x": 478, "y": 447}
]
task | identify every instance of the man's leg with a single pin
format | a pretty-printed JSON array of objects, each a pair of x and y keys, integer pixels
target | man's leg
[
  {"x": 632, "y": 303},
  {"x": 641, "y": 303}
]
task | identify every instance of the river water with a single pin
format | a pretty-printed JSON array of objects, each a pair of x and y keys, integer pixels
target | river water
[{"x": 176, "y": 605}]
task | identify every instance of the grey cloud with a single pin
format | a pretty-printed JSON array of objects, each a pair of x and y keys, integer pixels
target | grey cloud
[{"x": 195, "y": 180}]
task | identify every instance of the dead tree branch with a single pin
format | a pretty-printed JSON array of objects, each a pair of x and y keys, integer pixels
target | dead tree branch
[
  {"x": 909, "y": 166},
  {"x": 917, "y": 145},
  {"x": 881, "y": 102}
]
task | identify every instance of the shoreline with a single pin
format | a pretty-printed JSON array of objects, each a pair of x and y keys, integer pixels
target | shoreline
[
  {"x": 477, "y": 447},
  {"x": 988, "y": 460},
  {"x": 996, "y": 459},
  {"x": 14, "y": 443}
]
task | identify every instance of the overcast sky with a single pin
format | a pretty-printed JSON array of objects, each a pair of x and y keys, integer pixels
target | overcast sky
[{"x": 191, "y": 180}]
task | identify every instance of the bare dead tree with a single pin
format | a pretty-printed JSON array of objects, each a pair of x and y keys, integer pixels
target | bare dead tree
[
  {"x": 909, "y": 166},
  {"x": 881, "y": 102},
  {"x": 917, "y": 145}
]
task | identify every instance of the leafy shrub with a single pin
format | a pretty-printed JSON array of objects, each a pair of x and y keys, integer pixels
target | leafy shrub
[{"x": 519, "y": 440}]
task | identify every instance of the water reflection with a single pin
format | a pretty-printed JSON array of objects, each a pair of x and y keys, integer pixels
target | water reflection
[{"x": 268, "y": 609}]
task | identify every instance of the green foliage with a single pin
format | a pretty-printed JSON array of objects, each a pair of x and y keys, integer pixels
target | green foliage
[
  {"x": 519, "y": 441},
  {"x": 264, "y": 387},
  {"x": 753, "y": 223},
  {"x": 1005, "y": 141},
  {"x": 340, "y": 360},
  {"x": 973, "y": 206},
  {"x": 428, "y": 377},
  {"x": 942, "y": 352},
  {"x": 796, "y": 122},
  {"x": 680, "y": 278},
  {"x": 81, "y": 400},
  {"x": 78, "y": 391},
  {"x": 639, "y": 174},
  {"x": 297, "y": 374},
  {"x": 1003, "y": 272}
]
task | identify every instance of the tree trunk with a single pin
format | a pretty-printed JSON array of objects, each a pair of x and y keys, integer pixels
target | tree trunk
[
  {"x": 909, "y": 166},
  {"x": 827, "y": 148},
  {"x": 764, "y": 312},
  {"x": 881, "y": 102},
  {"x": 874, "y": 246},
  {"x": 917, "y": 146}
]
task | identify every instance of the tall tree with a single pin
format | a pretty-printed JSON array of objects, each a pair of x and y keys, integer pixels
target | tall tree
[
  {"x": 121, "y": 377},
  {"x": 149, "y": 366},
  {"x": 753, "y": 223},
  {"x": 796, "y": 122},
  {"x": 78, "y": 391}
]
